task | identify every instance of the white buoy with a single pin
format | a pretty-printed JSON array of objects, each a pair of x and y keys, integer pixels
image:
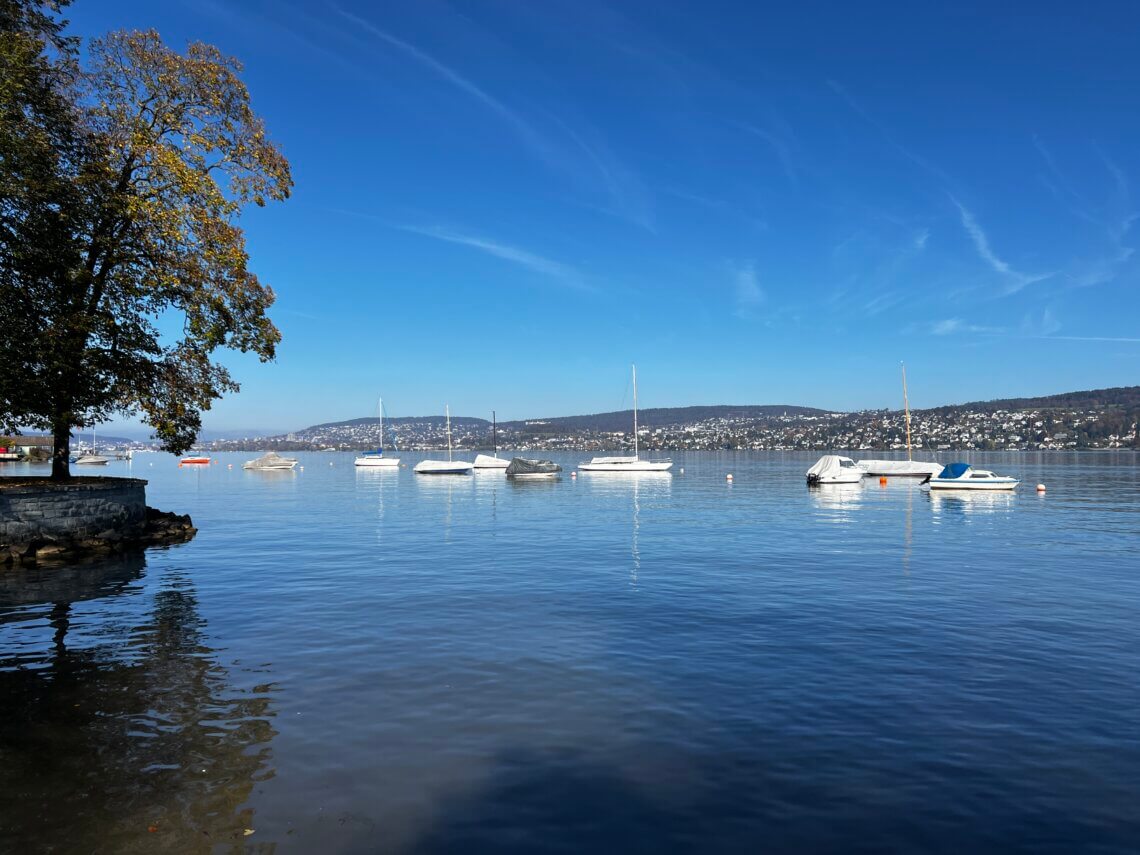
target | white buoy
[
  {"x": 682, "y": 470},
  {"x": 573, "y": 474},
  {"x": 728, "y": 477},
  {"x": 229, "y": 466},
  {"x": 1040, "y": 488},
  {"x": 302, "y": 468}
]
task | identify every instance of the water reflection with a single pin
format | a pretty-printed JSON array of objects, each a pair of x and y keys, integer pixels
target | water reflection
[
  {"x": 961, "y": 503},
  {"x": 638, "y": 487},
  {"x": 837, "y": 500},
  {"x": 121, "y": 730}
]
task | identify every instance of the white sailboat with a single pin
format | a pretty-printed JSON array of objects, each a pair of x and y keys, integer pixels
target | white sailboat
[
  {"x": 376, "y": 458},
  {"x": 909, "y": 468},
  {"x": 444, "y": 467},
  {"x": 627, "y": 464},
  {"x": 487, "y": 461},
  {"x": 91, "y": 459}
]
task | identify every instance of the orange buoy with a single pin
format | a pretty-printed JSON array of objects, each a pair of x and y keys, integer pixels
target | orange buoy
[
  {"x": 882, "y": 480},
  {"x": 1040, "y": 488}
]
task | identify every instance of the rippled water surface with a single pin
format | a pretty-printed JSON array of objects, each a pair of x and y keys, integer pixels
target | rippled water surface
[{"x": 362, "y": 661}]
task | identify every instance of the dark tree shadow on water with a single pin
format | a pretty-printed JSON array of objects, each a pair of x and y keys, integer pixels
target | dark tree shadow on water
[{"x": 123, "y": 733}]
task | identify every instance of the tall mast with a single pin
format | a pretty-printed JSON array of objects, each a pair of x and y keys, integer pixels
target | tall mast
[
  {"x": 906, "y": 406},
  {"x": 635, "y": 411},
  {"x": 494, "y": 437},
  {"x": 448, "y": 410},
  {"x": 380, "y": 409}
]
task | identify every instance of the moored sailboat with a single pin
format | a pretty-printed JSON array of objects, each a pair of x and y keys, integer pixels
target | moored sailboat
[
  {"x": 444, "y": 467},
  {"x": 627, "y": 464},
  {"x": 376, "y": 458},
  {"x": 909, "y": 468},
  {"x": 491, "y": 461}
]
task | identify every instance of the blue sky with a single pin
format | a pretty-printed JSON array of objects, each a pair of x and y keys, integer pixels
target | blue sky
[{"x": 501, "y": 205}]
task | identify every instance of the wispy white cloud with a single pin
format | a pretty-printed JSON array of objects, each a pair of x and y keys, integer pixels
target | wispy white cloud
[
  {"x": 584, "y": 161},
  {"x": 920, "y": 240},
  {"x": 747, "y": 292},
  {"x": 532, "y": 261},
  {"x": 955, "y": 326},
  {"x": 1016, "y": 280},
  {"x": 909, "y": 154},
  {"x": 781, "y": 144}
]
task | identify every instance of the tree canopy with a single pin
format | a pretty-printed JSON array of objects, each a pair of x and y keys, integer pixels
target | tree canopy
[{"x": 122, "y": 269}]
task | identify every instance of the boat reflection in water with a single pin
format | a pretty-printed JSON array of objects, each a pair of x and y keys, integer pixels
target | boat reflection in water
[
  {"x": 639, "y": 491},
  {"x": 121, "y": 730},
  {"x": 952, "y": 503},
  {"x": 837, "y": 501}
]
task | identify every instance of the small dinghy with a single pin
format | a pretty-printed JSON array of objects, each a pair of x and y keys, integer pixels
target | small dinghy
[
  {"x": 271, "y": 460},
  {"x": 833, "y": 469},
  {"x": 962, "y": 476},
  {"x": 523, "y": 469}
]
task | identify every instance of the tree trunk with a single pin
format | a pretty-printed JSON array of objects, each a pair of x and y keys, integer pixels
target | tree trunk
[{"x": 61, "y": 452}]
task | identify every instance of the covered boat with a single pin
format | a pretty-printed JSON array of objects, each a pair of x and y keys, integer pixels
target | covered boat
[
  {"x": 962, "y": 476},
  {"x": 486, "y": 461},
  {"x": 521, "y": 467},
  {"x": 900, "y": 468},
  {"x": 271, "y": 460},
  {"x": 833, "y": 469},
  {"x": 625, "y": 464}
]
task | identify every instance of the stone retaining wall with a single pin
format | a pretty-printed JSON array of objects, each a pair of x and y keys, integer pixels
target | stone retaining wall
[{"x": 64, "y": 516}]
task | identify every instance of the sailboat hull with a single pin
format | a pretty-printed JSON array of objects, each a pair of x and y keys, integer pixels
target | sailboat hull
[
  {"x": 443, "y": 467},
  {"x": 486, "y": 461},
  {"x": 625, "y": 464},
  {"x": 378, "y": 462}
]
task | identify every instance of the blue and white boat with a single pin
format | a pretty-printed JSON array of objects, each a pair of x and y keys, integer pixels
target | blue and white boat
[
  {"x": 376, "y": 458},
  {"x": 962, "y": 476}
]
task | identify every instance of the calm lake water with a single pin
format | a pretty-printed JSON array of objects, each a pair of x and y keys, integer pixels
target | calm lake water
[{"x": 368, "y": 661}]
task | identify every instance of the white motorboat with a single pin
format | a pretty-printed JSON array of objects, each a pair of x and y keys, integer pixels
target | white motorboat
[
  {"x": 492, "y": 461},
  {"x": 377, "y": 458},
  {"x": 833, "y": 469},
  {"x": 962, "y": 476},
  {"x": 444, "y": 467},
  {"x": 271, "y": 461},
  {"x": 91, "y": 460},
  {"x": 627, "y": 464}
]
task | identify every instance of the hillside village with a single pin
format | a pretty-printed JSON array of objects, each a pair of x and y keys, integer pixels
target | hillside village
[{"x": 944, "y": 429}]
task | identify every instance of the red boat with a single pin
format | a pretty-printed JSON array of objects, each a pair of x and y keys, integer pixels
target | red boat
[{"x": 195, "y": 460}]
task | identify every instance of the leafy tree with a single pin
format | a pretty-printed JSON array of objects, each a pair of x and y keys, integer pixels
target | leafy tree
[{"x": 168, "y": 153}]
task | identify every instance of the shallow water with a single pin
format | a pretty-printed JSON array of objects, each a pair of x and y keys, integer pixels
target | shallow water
[{"x": 360, "y": 661}]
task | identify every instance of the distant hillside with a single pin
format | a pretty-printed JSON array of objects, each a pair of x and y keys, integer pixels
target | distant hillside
[
  {"x": 435, "y": 421},
  {"x": 1120, "y": 397},
  {"x": 622, "y": 420}
]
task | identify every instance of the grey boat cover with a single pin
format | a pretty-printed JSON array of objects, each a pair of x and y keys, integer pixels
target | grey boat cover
[{"x": 522, "y": 466}]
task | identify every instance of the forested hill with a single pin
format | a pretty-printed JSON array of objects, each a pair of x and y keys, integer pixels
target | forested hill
[
  {"x": 622, "y": 420},
  {"x": 1119, "y": 397}
]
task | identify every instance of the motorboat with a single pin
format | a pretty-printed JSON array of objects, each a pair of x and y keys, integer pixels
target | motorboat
[
  {"x": 492, "y": 460},
  {"x": 962, "y": 476},
  {"x": 91, "y": 460},
  {"x": 628, "y": 464},
  {"x": 900, "y": 468},
  {"x": 377, "y": 458},
  {"x": 196, "y": 461},
  {"x": 833, "y": 469},
  {"x": 521, "y": 468},
  {"x": 444, "y": 467},
  {"x": 271, "y": 460}
]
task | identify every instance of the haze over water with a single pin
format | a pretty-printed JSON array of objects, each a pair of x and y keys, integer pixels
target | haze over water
[{"x": 357, "y": 661}]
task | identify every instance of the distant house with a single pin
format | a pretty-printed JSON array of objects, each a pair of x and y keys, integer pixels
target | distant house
[{"x": 25, "y": 444}]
